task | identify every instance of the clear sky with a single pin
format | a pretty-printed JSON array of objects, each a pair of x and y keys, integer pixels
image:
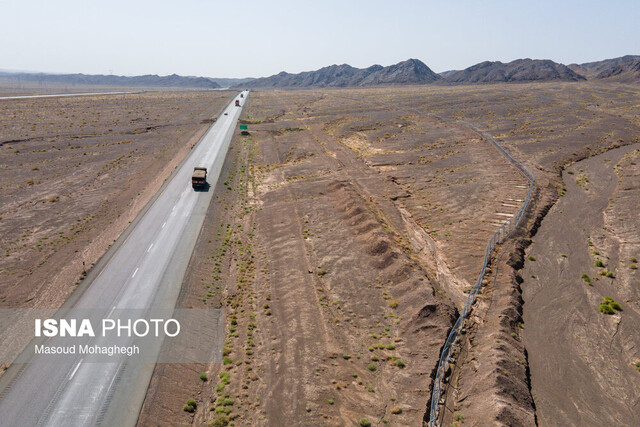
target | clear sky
[{"x": 258, "y": 38}]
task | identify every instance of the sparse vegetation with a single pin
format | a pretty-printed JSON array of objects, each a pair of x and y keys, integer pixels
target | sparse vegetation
[
  {"x": 190, "y": 406},
  {"x": 609, "y": 306},
  {"x": 364, "y": 422}
]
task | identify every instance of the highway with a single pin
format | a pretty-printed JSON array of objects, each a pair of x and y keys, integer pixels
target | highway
[{"x": 143, "y": 269}]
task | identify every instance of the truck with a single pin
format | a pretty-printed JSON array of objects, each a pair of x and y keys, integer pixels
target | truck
[
  {"x": 241, "y": 96},
  {"x": 237, "y": 102},
  {"x": 199, "y": 178}
]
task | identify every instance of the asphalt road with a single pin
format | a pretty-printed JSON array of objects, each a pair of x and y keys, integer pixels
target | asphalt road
[{"x": 144, "y": 269}]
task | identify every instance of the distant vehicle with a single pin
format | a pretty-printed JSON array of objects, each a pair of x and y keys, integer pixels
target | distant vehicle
[
  {"x": 199, "y": 178},
  {"x": 237, "y": 102},
  {"x": 226, "y": 114},
  {"x": 241, "y": 96}
]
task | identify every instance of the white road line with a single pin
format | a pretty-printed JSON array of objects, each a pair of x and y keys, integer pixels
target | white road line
[
  {"x": 134, "y": 273},
  {"x": 163, "y": 224},
  {"x": 150, "y": 246},
  {"x": 111, "y": 312},
  {"x": 75, "y": 369}
]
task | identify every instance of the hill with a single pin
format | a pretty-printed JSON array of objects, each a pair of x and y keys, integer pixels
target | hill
[
  {"x": 623, "y": 69},
  {"x": 150, "y": 80},
  {"x": 228, "y": 82},
  {"x": 411, "y": 71},
  {"x": 520, "y": 70}
]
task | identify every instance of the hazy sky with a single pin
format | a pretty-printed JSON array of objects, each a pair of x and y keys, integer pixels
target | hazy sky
[{"x": 257, "y": 38}]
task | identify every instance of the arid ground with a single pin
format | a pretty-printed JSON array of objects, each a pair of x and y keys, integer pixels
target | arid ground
[
  {"x": 346, "y": 231},
  {"x": 355, "y": 225},
  {"x": 75, "y": 171}
]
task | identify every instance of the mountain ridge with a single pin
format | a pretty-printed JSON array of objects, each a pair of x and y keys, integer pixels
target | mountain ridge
[
  {"x": 518, "y": 71},
  {"x": 411, "y": 71},
  {"x": 148, "y": 80},
  {"x": 624, "y": 69}
]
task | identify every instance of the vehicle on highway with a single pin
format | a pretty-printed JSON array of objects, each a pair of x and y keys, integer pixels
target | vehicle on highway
[
  {"x": 241, "y": 95},
  {"x": 237, "y": 102},
  {"x": 199, "y": 178}
]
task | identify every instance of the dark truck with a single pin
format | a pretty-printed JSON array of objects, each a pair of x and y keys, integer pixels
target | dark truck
[
  {"x": 237, "y": 102},
  {"x": 199, "y": 178}
]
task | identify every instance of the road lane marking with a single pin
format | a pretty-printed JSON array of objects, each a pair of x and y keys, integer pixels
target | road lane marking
[
  {"x": 75, "y": 369},
  {"x": 111, "y": 312},
  {"x": 163, "y": 224},
  {"x": 134, "y": 273},
  {"x": 150, "y": 246}
]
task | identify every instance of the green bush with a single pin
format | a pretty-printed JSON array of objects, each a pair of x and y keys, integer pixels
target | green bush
[
  {"x": 616, "y": 306},
  {"x": 606, "y": 309},
  {"x": 227, "y": 361},
  {"x": 221, "y": 421},
  {"x": 203, "y": 376},
  {"x": 190, "y": 406},
  {"x": 400, "y": 364},
  {"x": 633, "y": 267},
  {"x": 599, "y": 263},
  {"x": 586, "y": 278},
  {"x": 364, "y": 422},
  {"x": 226, "y": 402},
  {"x": 371, "y": 367},
  {"x": 531, "y": 258}
]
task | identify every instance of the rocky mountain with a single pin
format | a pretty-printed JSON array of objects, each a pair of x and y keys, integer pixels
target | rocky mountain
[
  {"x": 227, "y": 82},
  {"x": 520, "y": 70},
  {"x": 150, "y": 80},
  {"x": 623, "y": 69},
  {"x": 448, "y": 73},
  {"x": 411, "y": 71}
]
